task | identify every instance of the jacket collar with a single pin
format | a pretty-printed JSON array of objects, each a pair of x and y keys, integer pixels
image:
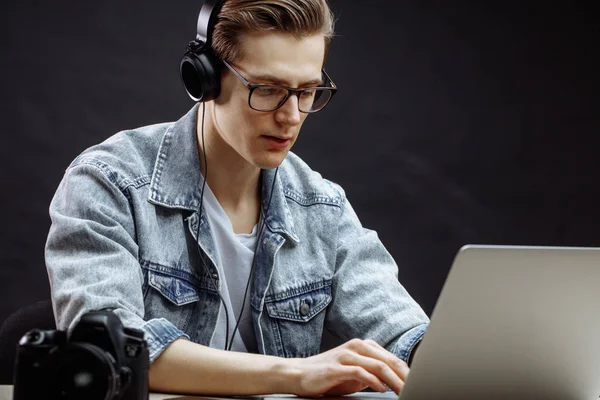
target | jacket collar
[
  {"x": 278, "y": 215},
  {"x": 177, "y": 181}
]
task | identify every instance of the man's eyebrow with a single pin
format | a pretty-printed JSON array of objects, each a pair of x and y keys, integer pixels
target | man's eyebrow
[{"x": 266, "y": 78}]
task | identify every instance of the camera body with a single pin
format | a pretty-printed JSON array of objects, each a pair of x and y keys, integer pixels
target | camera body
[{"x": 100, "y": 359}]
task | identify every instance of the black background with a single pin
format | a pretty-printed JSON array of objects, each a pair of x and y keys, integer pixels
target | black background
[{"x": 455, "y": 122}]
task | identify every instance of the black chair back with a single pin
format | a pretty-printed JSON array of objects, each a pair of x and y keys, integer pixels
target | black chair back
[{"x": 38, "y": 315}]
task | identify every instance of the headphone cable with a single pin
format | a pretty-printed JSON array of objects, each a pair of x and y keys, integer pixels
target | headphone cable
[
  {"x": 214, "y": 284},
  {"x": 228, "y": 342},
  {"x": 262, "y": 226}
]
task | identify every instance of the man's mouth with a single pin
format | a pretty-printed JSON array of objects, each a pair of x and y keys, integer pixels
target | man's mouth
[
  {"x": 281, "y": 139},
  {"x": 278, "y": 142}
]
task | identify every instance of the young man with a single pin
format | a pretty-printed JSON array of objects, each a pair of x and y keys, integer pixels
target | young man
[{"x": 263, "y": 257}]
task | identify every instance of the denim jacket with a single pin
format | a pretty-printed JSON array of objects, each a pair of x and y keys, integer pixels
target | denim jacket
[{"x": 123, "y": 236}]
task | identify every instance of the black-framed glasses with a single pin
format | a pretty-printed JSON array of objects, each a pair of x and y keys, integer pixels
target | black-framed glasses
[{"x": 264, "y": 97}]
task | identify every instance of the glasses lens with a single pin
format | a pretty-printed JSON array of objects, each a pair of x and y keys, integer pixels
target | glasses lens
[
  {"x": 267, "y": 98},
  {"x": 312, "y": 100}
]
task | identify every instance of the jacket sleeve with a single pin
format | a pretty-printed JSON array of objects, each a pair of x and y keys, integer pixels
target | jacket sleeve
[
  {"x": 92, "y": 255},
  {"x": 369, "y": 302}
]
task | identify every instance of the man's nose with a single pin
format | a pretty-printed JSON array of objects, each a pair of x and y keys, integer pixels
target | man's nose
[{"x": 289, "y": 113}]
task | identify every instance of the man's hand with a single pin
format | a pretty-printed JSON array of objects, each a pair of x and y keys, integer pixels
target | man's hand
[{"x": 349, "y": 368}]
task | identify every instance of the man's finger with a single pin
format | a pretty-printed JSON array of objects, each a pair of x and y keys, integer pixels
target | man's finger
[
  {"x": 376, "y": 367},
  {"x": 372, "y": 349},
  {"x": 359, "y": 374}
]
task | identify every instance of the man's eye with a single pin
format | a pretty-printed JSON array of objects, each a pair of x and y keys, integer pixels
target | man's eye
[
  {"x": 266, "y": 91},
  {"x": 307, "y": 94}
]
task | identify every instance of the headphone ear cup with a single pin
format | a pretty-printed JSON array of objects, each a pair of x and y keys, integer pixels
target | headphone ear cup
[{"x": 201, "y": 75}]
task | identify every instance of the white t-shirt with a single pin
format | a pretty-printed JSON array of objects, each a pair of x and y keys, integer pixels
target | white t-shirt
[{"x": 235, "y": 253}]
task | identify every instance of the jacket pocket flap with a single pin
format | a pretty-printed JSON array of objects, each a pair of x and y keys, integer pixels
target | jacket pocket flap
[
  {"x": 302, "y": 306},
  {"x": 177, "y": 290}
]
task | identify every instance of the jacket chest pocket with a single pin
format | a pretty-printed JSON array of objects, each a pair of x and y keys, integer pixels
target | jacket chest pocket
[
  {"x": 170, "y": 295},
  {"x": 297, "y": 317}
]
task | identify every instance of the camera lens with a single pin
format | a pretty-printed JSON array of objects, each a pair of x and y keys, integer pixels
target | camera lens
[
  {"x": 83, "y": 371},
  {"x": 32, "y": 337}
]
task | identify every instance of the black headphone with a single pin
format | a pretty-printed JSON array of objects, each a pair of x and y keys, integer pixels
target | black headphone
[{"x": 200, "y": 68}]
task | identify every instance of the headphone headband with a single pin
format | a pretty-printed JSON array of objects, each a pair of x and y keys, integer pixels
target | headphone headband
[{"x": 207, "y": 20}]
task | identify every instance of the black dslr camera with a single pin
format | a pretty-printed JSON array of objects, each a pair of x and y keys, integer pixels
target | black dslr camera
[{"x": 99, "y": 360}]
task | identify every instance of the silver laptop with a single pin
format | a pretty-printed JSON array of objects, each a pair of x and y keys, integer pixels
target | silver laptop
[{"x": 513, "y": 323}]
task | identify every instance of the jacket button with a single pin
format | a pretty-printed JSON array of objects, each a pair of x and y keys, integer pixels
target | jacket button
[{"x": 304, "y": 309}]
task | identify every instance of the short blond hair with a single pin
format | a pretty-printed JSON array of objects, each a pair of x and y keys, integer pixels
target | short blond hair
[{"x": 299, "y": 18}]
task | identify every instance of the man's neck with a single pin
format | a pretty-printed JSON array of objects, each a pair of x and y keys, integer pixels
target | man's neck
[{"x": 234, "y": 182}]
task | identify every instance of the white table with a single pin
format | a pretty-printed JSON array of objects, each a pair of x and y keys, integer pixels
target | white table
[{"x": 6, "y": 394}]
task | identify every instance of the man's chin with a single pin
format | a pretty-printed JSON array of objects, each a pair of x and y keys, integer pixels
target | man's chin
[{"x": 271, "y": 161}]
